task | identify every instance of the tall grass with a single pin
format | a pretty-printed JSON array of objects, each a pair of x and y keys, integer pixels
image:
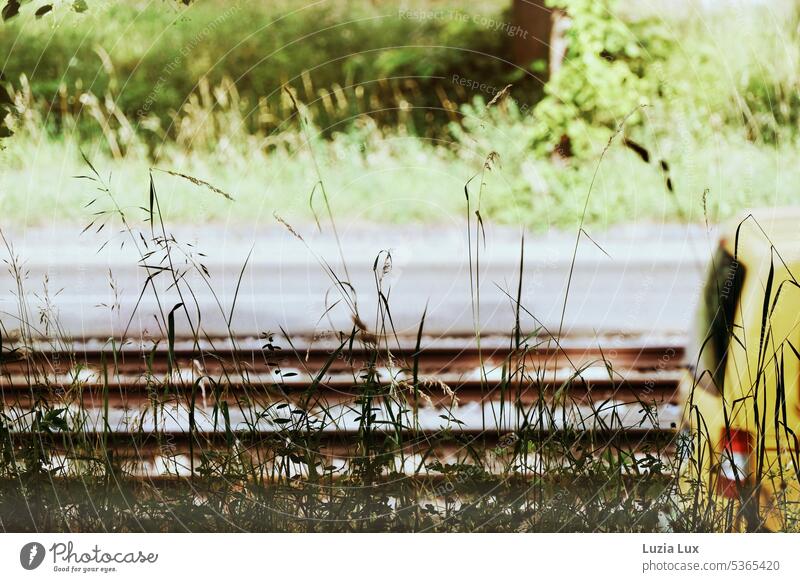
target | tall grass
[
  {"x": 263, "y": 457},
  {"x": 257, "y": 455},
  {"x": 154, "y": 57},
  {"x": 417, "y": 178}
]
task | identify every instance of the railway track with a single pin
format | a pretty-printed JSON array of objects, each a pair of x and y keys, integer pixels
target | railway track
[{"x": 164, "y": 411}]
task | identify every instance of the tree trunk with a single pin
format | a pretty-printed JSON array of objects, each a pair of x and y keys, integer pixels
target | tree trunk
[{"x": 532, "y": 26}]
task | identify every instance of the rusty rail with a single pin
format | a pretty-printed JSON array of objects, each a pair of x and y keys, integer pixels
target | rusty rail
[{"x": 159, "y": 410}]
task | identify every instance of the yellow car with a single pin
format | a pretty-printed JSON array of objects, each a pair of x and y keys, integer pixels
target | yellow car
[{"x": 742, "y": 414}]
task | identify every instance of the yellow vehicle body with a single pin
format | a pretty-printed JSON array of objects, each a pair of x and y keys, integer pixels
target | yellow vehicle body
[{"x": 742, "y": 392}]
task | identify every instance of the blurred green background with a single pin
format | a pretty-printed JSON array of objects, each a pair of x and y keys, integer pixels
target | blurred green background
[{"x": 701, "y": 99}]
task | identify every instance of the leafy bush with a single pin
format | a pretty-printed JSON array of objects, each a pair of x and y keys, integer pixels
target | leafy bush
[{"x": 603, "y": 78}]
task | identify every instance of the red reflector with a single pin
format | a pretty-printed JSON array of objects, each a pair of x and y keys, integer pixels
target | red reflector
[
  {"x": 734, "y": 466},
  {"x": 737, "y": 441}
]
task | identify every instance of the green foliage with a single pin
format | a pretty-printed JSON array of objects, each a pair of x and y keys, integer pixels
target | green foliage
[
  {"x": 603, "y": 78},
  {"x": 220, "y": 114},
  {"x": 751, "y": 77},
  {"x": 150, "y": 59}
]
